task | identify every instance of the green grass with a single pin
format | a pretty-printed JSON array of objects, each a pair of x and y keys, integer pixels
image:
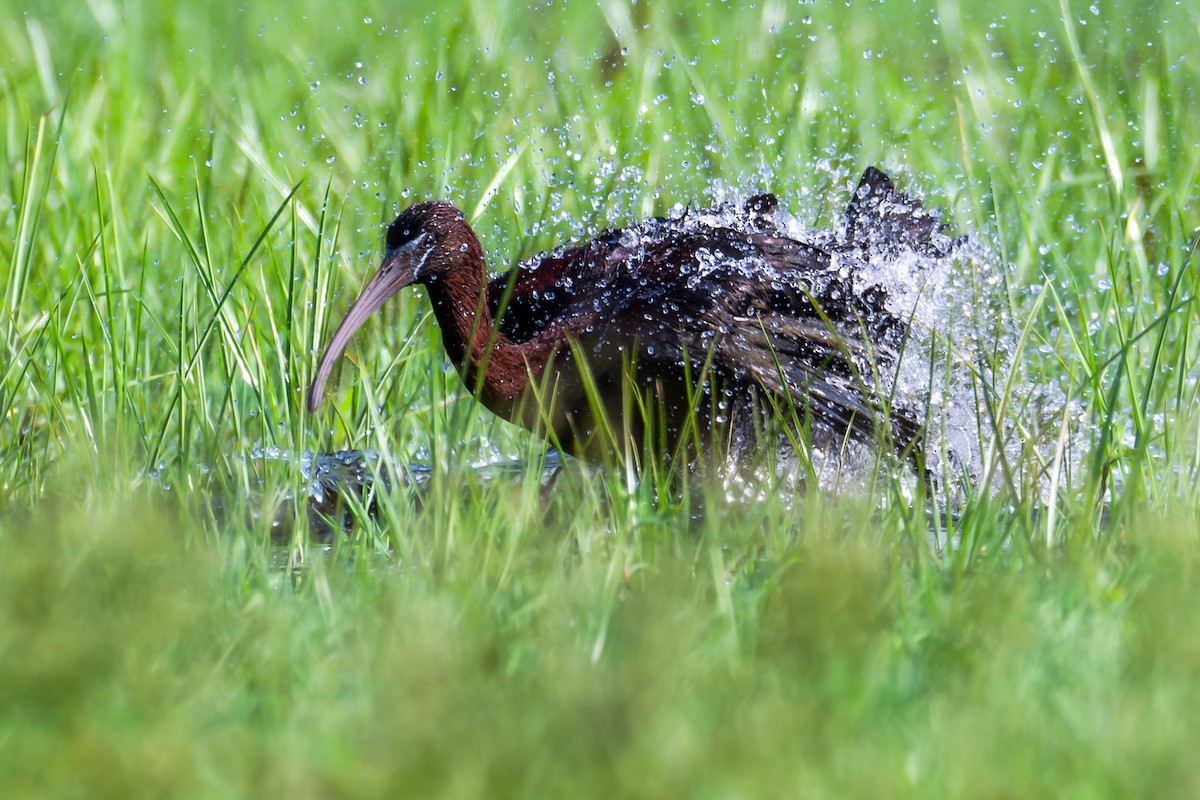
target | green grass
[{"x": 189, "y": 199}]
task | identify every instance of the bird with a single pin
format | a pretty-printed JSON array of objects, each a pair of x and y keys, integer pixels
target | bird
[{"x": 674, "y": 337}]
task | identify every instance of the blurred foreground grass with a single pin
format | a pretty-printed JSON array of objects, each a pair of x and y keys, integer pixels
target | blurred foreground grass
[
  {"x": 648, "y": 664},
  {"x": 191, "y": 194}
]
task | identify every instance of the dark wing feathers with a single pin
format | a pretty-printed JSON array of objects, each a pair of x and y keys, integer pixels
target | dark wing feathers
[
  {"x": 525, "y": 300},
  {"x": 791, "y": 327}
]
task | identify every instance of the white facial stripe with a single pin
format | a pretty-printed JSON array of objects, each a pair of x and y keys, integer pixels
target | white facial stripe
[{"x": 424, "y": 258}]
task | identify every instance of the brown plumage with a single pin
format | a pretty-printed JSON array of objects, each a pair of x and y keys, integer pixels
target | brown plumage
[{"x": 678, "y": 333}]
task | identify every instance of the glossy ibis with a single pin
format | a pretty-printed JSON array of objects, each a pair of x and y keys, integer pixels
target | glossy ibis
[{"x": 683, "y": 331}]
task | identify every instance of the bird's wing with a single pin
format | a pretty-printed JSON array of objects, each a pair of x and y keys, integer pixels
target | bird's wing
[
  {"x": 838, "y": 376},
  {"x": 762, "y": 324}
]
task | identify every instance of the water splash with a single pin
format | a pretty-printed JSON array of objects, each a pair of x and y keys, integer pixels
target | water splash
[{"x": 987, "y": 425}]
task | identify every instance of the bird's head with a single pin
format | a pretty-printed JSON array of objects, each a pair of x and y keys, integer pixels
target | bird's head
[{"x": 425, "y": 243}]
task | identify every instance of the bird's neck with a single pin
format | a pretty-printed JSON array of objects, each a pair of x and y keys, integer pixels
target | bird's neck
[{"x": 494, "y": 368}]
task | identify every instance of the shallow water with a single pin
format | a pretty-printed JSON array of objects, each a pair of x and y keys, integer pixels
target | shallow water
[{"x": 339, "y": 480}]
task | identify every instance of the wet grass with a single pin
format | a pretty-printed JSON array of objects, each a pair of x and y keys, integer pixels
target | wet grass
[{"x": 191, "y": 197}]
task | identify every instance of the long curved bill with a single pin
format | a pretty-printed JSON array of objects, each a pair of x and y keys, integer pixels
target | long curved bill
[{"x": 397, "y": 271}]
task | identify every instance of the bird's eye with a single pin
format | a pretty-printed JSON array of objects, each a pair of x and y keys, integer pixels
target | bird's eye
[{"x": 398, "y": 236}]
